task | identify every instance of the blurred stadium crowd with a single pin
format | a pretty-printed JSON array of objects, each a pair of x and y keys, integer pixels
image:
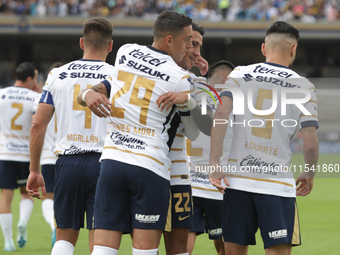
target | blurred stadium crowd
[{"x": 212, "y": 10}]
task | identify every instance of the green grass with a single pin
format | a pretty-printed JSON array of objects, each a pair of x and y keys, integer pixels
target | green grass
[{"x": 319, "y": 223}]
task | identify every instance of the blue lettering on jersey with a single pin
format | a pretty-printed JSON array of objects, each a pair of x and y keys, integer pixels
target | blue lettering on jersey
[
  {"x": 88, "y": 75},
  {"x": 280, "y": 73},
  {"x": 140, "y": 55},
  {"x": 62, "y": 75},
  {"x": 247, "y": 77},
  {"x": 74, "y": 66},
  {"x": 148, "y": 70},
  {"x": 21, "y": 98},
  {"x": 275, "y": 81},
  {"x": 122, "y": 59}
]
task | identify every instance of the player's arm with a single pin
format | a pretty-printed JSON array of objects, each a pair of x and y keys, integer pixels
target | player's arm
[
  {"x": 96, "y": 98},
  {"x": 218, "y": 132},
  {"x": 305, "y": 181},
  {"x": 198, "y": 121},
  {"x": 41, "y": 119}
]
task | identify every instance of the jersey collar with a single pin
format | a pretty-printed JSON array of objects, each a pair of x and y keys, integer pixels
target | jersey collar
[
  {"x": 157, "y": 50},
  {"x": 273, "y": 64},
  {"x": 82, "y": 59}
]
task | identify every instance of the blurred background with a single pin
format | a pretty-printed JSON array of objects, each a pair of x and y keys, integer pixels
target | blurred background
[{"x": 46, "y": 31}]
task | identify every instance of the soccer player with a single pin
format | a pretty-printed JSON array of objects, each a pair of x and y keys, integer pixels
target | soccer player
[
  {"x": 17, "y": 106},
  {"x": 133, "y": 190},
  {"x": 79, "y": 140},
  {"x": 47, "y": 162},
  {"x": 261, "y": 189},
  {"x": 181, "y": 204},
  {"x": 207, "y": 200}
]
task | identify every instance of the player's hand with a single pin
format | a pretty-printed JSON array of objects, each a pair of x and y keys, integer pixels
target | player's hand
[
  {"x": 34, "y": 182},
  {"x": 170, "y": 98},
  {"x": 304, "y": 184},
  {"x": 202, "y": 64},
  {"x": 215, "y": 177},
  {"x": 98, "y": 103}
]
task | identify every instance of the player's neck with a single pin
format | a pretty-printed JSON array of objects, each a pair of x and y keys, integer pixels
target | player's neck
[
  {"x": 20, "y": 84},
  {"x": 279, "y": 59},
  {"x": 95, "y": 55},
  {"x": 160, "y": 46}
]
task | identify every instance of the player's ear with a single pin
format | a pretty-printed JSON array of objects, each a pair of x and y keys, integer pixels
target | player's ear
[
  {"x": 293, "y": 50},
  {"x": 28, "y": 79},
  {"x": 109, "y": 48},
  {"x": 168, "y": 40},
  {"x": 263, "y": 49},
  {"x": 81, "y": 43}
]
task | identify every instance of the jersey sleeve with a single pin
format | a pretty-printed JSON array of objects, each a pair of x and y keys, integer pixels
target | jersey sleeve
[
  {"x": 202, "y": 88},
  {"x": 183, "y": 86},
  {"x": 46, "y": 96},
  {"x": 311, "y": 106},
  {"x": 233, "y": 80},
  {"x": 107, "y": 84}
]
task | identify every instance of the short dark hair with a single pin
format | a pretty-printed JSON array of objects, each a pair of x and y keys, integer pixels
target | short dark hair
[
  {"x": 213, "y": 67},
  {"x": 198, "y": 28},
  {"x": 281, "y": 27},
  {"x": 25, "y": 70},
  {"x": 97, "y": 32},
  {"x": 170, "y": 23}
]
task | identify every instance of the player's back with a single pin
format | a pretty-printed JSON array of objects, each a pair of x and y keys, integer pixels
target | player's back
[
  {"x": 79, "y": 130},
  {"x": 138, "y": 127},
  {"x": 261, "y": 144},
  {"x": 17, "y": 106}
]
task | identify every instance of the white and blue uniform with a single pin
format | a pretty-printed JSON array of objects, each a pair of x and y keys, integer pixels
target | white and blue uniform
[
  {"x": 79, "y": 140},
  {"x": 262, "y": 186},
  {"x": 17, "y": 106},
  {"x": 137, "y": 140}
]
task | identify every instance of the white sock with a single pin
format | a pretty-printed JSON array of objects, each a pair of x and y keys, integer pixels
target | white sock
[
  {"x": 103, "y": 250},
  {"x": 6, "y": 222},
  {"x": 26, "y": 207},
  {"x": 62, "y": 247},
  {"x": 144, "y": 252},
  {"x": 187, "y": 253},
  {"x": 47, "y": 210}
]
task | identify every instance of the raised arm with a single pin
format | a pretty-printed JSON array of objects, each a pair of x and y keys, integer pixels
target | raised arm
[{"x": 195, "y": 122}]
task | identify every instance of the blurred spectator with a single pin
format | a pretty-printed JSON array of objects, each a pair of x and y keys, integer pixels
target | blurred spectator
[{"x": 212, "y": 10}]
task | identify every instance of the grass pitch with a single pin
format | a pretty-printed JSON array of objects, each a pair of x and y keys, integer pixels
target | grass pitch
[{"x": 319, "y": 223}]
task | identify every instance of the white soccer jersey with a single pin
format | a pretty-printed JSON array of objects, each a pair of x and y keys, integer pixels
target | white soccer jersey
[
  {"x": 47, "y": 154},
  {"x": 17, "y": 106},
  {"x": 260, "y": 156},
  {"x": 79, "y": 130},
  {"x": 138, "y": 129},
  {"x": 199, "y": 150},
  {"x": 179, "y": 172}
]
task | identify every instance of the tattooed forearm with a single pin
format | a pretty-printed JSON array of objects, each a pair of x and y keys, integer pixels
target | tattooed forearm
[{"x": 98, "y": 87}]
